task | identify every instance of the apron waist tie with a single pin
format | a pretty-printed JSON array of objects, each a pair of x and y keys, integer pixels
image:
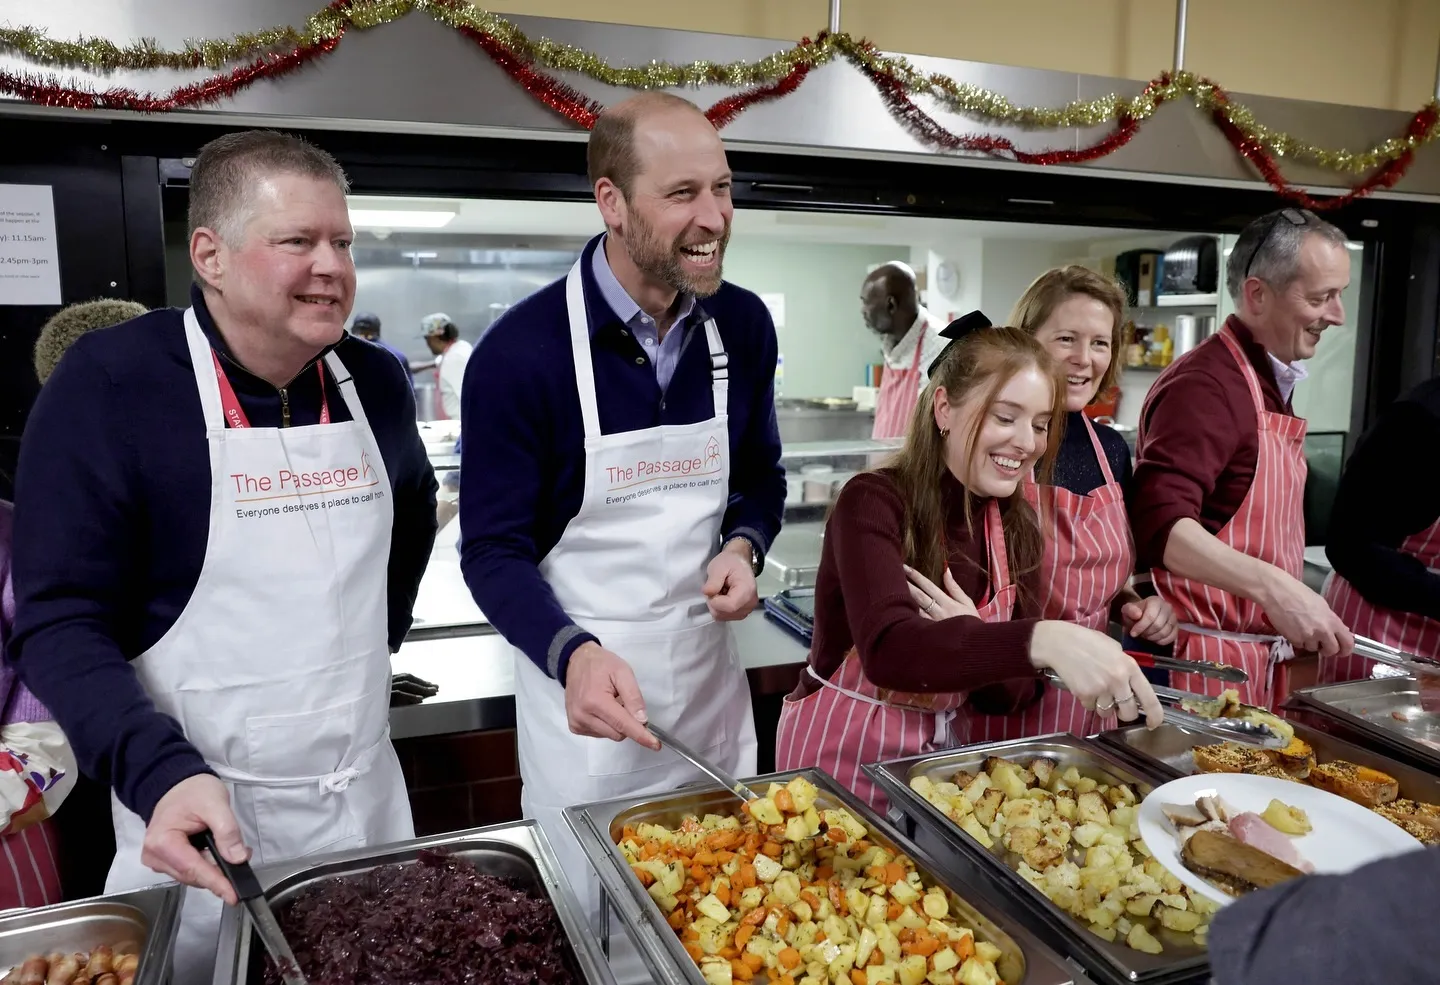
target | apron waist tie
[
  {"x": 942, "y": 719},
  {"x": 335, "y": 782},
  {"x": 1281, "y": 649}
]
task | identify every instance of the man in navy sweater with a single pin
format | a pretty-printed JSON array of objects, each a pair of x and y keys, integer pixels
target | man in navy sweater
[
  {"x": 621, "y": 478},
  {"x": 222, "y": 519}
]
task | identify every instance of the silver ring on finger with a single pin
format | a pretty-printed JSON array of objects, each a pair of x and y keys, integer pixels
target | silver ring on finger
[{"x": 929, "y": 604}]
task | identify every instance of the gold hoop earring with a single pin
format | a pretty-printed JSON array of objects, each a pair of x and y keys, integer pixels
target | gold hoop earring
[{"x": 944, "y": 432}]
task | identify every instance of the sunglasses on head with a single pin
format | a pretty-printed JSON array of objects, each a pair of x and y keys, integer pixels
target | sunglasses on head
[{"x": 1293, "y": 216}]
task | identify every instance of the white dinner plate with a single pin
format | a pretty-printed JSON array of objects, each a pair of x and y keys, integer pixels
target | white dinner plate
[{"x": 1344, "y": 836}]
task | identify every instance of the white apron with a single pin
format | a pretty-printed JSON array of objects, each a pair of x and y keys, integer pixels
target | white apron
[
  {"x": 278, "y": 669},
  {"x": 629, "y": 568}
]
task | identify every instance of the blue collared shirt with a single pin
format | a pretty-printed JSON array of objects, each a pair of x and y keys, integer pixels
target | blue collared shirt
[{"x": 664, "y": 354}]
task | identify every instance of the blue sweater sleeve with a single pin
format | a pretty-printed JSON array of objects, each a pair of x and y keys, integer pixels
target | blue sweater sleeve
[
  {"x": 757, "y": 479},
  {"x": 1372, "y": 925},
  {"x": 508, "y": 428},
  {"x": 78, "y": 526}
]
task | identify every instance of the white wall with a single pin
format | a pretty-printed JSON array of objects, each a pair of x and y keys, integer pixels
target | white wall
[{"x": 824, "y": 339}]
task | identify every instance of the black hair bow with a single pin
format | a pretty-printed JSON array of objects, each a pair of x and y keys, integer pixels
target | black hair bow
[{"x": 955, "y": 331}]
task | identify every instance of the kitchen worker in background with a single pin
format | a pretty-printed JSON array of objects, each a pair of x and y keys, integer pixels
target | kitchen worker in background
[
  {"x": 928, "y": 598},
  {"x": 452, "y": 353},
  {"x": 622, "y": 480},
  {"x": 1076, "y": 314},
  {"x": 366, "y": 325},
  {"x": 222, "y": 517},
  {"x": 37, "y": 765},
  {"x": 1218, "y": 500},
  {"x": 1384, "y": 538},
  {"x": 909, "y": 337}
]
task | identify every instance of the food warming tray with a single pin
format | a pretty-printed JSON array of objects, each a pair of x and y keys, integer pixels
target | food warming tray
[
  {"x": 149, "y": 916},
  {"x": 598, "y": 827},
  {"x": 1103, "y": 960},
  {"x": 1387, "y": 712},
  {"x": 516, "y": 851},
  {"x": 1168, "y": 748}
]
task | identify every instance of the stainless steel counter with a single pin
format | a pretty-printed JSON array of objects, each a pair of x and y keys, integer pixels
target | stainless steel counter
[{"x": 476, "y": 676}]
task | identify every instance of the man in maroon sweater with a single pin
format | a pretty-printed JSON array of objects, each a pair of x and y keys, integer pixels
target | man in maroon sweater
[{"x": 1220, "y": 475}]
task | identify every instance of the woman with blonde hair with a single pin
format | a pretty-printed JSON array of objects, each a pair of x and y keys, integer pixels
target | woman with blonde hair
[
  {"x": 1089, "y": 558},
  {"x": 900, "y": 666}
]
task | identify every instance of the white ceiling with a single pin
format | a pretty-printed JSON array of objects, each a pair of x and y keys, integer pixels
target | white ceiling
[{"x": 580, "y": 219}]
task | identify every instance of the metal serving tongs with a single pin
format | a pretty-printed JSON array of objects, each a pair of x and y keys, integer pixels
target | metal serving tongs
[
  {"x": 252, "y": 897},
  {"x": 1205, "y": 668},
  {"x": 1384, "y": 653},
  {"x": 1228, "y": 729},
  {"x": 726, "y": 780}
]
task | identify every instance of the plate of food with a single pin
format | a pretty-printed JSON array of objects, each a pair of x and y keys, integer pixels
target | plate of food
[{"x": 1228, "y": 834}]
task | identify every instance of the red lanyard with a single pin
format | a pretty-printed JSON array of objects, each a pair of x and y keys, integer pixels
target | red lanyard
[{"x": 230, "y": 404}]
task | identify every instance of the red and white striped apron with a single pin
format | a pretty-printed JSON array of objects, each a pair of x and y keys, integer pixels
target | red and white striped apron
[
  {"x": 899, "y": 392},
  {"x": 1089, "y": 556},
  {"x": 849, "y": 722},
  {"x": 1269, "y": 526},
  {"x": 1405, "y": 631},
  {"x": 29, "y": 867}
]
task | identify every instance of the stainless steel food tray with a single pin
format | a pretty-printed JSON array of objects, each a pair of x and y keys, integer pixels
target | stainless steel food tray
[
  {"x": 148, "y": 916},
  {"x": 516, "y": 851},
  {"x": 1168, "y": 749},
  {"x": 1103, "y": 960},
  {"x": 1386, "y": 712},
  {"x": 598, "y": 826}
]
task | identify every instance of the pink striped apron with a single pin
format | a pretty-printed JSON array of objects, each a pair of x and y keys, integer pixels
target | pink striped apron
[
  {"x": 1269, "y": 526},
  {"x": 849, "y": 722},
  {"x": 1089, "y": 556},
  {"x": 29, "y": 867},
  {"x": 1405, "y": 631},
  {"x": 899, "y": 392}
]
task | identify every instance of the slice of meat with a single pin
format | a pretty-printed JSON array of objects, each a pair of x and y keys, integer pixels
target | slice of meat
[
  {"x": 1255, "y": 831},
  {"x": 1234, "y": 865}
]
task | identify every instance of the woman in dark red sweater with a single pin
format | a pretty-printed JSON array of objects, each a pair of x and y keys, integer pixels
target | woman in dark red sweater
[{"x": 896, "y": 662}]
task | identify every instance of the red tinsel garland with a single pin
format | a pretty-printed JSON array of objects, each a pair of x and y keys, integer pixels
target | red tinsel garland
[
  {"x": 575, "y": 106},
  {"x": 46, "y": 90}
]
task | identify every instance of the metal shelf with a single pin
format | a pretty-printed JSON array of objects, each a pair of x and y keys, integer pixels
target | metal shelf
[
  {"x": 827, "y": 449},
  {"x": 1187, "y": 300}
]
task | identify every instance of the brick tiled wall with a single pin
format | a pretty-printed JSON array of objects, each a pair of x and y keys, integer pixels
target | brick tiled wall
[{"x": 462, "y": 780}]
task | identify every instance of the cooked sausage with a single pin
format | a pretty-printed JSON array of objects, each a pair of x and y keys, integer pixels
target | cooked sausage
[
  {"x": 101, "y": 961},
  {"x": 127, "y": 978},
  {"x": 126, "y": 947},
  {"x": 33, "y": 971},
  {"x": 125, "y": 962},
  {"x": 63, "y": 972},
  {"x": 107, "y": 979}
]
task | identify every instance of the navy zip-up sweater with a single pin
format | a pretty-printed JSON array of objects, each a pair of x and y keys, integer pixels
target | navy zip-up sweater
[
  {"x": 523, "y": 462},
  {"x": 112, "y": 514}
]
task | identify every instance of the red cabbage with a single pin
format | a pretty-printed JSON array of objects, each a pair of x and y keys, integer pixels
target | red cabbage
[{"x": 436, "y": 922}]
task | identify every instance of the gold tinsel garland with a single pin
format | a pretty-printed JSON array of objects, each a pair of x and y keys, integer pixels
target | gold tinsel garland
[{"x": 101, "y": 55}]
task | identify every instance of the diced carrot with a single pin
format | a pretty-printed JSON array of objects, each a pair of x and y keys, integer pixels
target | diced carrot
[
  {"x": 722, "y": 893},
  {"x": 965, "y": 949},
  {"x": 627, "y": 832},
  {"x": 703, "y": 885},
  {"x": 753, "y": 960},
  {"x": 704, "y": 857},
  {"x": 876, "y": 957},
  {"x": 676, "y": 919},
  {"x": 923, "y": 944},
  {"x": 789, "y": 958},
  {"x": 747, "y": 873},
  {"x": 755, "y": 917},
  {"x": 810, "y": 900},
  {"x": 785, "y": 980},
  {"x": 752, "y": 841},
  {"x": 819, "y": 936},
  {"x": 894, "y": 911},
  {"x": 646, "y": 877},
  {"x": 689, "y": 934},
  {"x": 723, "y": 856},
  {"x": 772, "y": 849},
  {"x": 836, "y": 835},
  {"x": 743, "y": 935},
  {"x": 649, "y": 850},
  {"x": 693, "y": 949},
  {"x": 784, "y": 801},
  {"x": 823, "y": 872},
  {"x": 697, "y": 872},
  {"x": 906, "y": 935},
  {"x": 876, "y": 872},
  {"x": 740, "y": 971},
  {"x": 861, "y": 846},
  {"x": 894, "y": 872},
  {"x": 782, "y": 924},
  {"x": 858, "y": 977},
  {"x": 730, "y": 953},
  {"x": 722, "y": 839}
]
